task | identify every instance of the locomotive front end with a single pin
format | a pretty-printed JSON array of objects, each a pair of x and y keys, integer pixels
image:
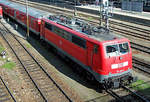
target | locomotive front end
[{"x": 117, "y": 63}]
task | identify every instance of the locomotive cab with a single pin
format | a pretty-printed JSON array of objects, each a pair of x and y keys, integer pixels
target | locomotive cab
[{"x": 117, "y": 63}]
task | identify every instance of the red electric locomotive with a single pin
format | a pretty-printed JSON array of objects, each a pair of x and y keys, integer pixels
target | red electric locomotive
[{"x": 104, "y": 56}]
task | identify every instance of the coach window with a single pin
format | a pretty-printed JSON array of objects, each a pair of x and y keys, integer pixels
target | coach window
[
  {"x": 95, "y": 49},
  {"x": 78, "y": 41},
  {"x": 48, "y": 26},
  {"x": 32, "y": 22}
]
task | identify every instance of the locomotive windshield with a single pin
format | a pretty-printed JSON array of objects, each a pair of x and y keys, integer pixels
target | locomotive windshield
[
  {"x": 124, "y": 48},
  {"x": 117, "y": 49}
]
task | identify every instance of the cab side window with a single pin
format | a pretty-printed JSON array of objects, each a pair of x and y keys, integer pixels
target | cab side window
[{"x": 79, "y": 41}]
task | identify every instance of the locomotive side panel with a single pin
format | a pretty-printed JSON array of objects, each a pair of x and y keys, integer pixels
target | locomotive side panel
[{"x": 66, "y": 41}]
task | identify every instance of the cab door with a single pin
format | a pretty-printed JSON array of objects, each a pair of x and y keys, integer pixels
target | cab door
[
  {"x": 90, "y": 53},
  {"x": 15, "y": 14},
  {"x": 93, "y": 55},
  {"x": 42, "y": 30}
]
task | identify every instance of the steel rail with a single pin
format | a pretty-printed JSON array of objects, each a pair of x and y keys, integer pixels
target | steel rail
[
  {"x": 117, "y": 97},
  {"x": 7, "y": 89}
]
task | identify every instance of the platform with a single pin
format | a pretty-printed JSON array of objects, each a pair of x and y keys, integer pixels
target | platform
[{"x": 131, "y": 16}]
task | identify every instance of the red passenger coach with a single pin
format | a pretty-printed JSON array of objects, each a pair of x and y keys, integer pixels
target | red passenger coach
[
  {"x": 18, "y": 13},
  {"x": 1, "y": 12}
]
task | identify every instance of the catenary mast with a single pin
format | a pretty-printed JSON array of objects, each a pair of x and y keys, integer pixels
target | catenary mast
[{"x": 104, "y": 13}]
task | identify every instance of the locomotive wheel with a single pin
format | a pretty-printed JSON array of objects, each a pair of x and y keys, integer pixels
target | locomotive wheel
[{"x": 8, "y": 19}]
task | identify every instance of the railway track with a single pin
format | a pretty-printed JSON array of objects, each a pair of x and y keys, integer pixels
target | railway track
[
  {"x": 135, "y": 95},
  {"x": 140, "y": 47},
  {"x": 5, "y": 94},
  {"x": 124, "y": 94},
  {"x": 131, "y": 33},
  {"x": 141, "y": 65},
  {"x": 47, "y": 87},
  {"x": 128, "y": 95},
  {"x": 132, "y": 27}
]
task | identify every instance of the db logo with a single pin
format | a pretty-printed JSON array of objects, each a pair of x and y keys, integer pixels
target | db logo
[{"x": 60, "y": 42}]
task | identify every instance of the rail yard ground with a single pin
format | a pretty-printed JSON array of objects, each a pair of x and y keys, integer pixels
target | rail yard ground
[{"x": 22, "y": 88}]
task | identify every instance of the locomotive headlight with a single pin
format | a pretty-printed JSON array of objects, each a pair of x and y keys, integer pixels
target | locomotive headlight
[
  {"x": 114, "y": 66},
  {"x": 124, "y": 64}
]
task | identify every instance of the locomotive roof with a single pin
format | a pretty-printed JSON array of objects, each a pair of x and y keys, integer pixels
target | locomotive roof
[
  {"x": 98, "y": 33},
  {"x": 31, "y": 11}
]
